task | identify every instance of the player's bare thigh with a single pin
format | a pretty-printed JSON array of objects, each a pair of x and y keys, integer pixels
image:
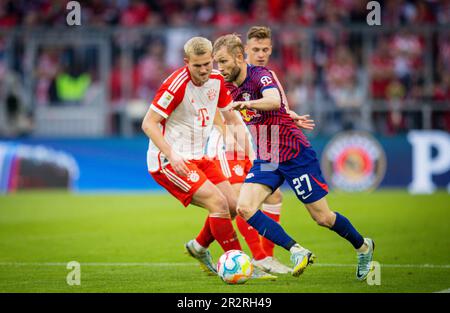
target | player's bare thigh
[
  {"x": 210, "y": 197},
  {"x": 268, "y": 200},
  {"x": 231, "y": 196},
  {"x": 237, "y": 189},
  {"x": 251, "y": 196},
  {"x": 275, "y": 198},
  {"x": 321, "y": 213}
]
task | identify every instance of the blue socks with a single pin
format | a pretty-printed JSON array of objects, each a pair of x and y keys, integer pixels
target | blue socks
[
  {"x": 270, "y": 229},
  {"x": 274, "y": 232},
  {"x": 345, "y": 229}
]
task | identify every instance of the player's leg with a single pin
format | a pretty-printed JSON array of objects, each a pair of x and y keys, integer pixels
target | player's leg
[
  {"x": 272, "y": 208},
  {"x": 236, "y": 170},
  {"x": 250, "y": 234},
  {"x": 230, "y": 195},
  {"x": 310, "y": 187},
  {"x": 253, "y": 240},
  {"x": 210, "y": 197},
  {"x": 251, "y": 197},
  {"x": 321, "y": 213},
  {"x": 217, "y": 226}
]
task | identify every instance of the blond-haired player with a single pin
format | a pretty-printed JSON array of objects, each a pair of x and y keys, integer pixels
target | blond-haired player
[{"x": 178, "y": 124}]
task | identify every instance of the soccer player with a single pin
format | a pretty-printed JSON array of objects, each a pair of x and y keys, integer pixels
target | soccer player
[
  {"x": 283, "y": 154},
  {"x": 178, "y": 123},
  {"x": 258, "y": 50}
]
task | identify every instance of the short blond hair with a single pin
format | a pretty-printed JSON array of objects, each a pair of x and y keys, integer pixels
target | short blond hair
[
  {"x": 259, "y": 32},
  {"x": 197, "y": 46},
  {"x": 232, "y": 42}
]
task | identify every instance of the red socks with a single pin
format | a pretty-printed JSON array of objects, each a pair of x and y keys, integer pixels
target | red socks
[
  {"x": 223, "y": 231},
  {"x": 251, "y": 236},
  {"x": 205, "y": 238}
]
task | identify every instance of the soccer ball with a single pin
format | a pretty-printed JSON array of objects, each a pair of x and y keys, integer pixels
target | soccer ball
[{"x": 234, "y": 267}]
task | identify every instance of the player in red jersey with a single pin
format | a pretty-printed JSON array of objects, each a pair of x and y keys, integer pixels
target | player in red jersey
[
  {"x": 283, "y": 153},
  {"x": 178, "y": 123}
]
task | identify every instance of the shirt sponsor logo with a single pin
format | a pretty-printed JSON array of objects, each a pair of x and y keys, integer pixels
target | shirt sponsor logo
[
  {"x": 248, "y": 114},
  {"x": 266, "y": 80},
  {"x": 165, "y": 100}
]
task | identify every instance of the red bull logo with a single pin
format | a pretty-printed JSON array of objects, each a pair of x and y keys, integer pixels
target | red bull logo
[{"x": 248, "y": 114}]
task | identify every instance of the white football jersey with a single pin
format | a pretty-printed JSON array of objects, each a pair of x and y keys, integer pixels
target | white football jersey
[
  {"x": 189, "y": 115},
  {"x": 215, "y": 145}
]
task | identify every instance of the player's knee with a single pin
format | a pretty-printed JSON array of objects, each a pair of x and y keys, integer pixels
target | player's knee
[
  {"x": 245, "y": 212},
  {"x": 219, "y": 205},
  {"x": 232, "y": 203},
  {"x": 325, "y": 220}
]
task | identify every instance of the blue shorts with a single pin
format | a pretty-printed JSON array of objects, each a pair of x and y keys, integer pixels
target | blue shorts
[{"x": 302, "y": 173}]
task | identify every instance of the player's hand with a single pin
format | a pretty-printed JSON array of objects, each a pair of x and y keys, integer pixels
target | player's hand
[
  {"x": 241, "y": 105},
  {"x": 302, "y": 121},
  {"x": 178, "y": 164}
]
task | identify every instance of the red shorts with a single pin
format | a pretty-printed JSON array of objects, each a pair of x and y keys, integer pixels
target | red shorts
[
  {"x": 184, "y": 187},
  {"x": 234, "y": 170}
]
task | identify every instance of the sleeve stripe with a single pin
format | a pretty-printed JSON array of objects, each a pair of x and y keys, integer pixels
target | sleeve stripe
[
  {"x": 267, "y": 87},
  {"x": 228, "y": 107},
  {"x": 177, "y": 80},
  {"x": 159, "y": 111},
  {"x": 180, "y": 83}
]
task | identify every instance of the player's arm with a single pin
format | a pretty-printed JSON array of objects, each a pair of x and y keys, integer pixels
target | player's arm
[
  {"x": 270, "y": 101},
  {"x": 283, "y": 94},
  {"x": 151, "y": 127},
  {"x": 218, "y": 122},
  {"x": 302, "y": 121},
  {"x": 240, "y": 134},
  {"x": 226, "y": 131}
]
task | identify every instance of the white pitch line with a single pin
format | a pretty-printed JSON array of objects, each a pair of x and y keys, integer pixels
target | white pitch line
[
  {"x": 162, "y": 264},
  {"x": 443, "y": 291}
]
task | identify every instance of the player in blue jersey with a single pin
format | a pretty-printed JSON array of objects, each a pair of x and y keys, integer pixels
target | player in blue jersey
[
  {"x": 258, "y": 49},
  {"x": 283, "y": 153}
]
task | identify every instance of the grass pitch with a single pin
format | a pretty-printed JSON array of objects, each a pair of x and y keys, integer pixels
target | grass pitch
[{"x": 134, "y": 243}]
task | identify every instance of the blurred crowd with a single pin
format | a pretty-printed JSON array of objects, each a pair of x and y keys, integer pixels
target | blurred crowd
[
  {"x": 221, "y": 12},
  {"x": 333, "y": 70}
]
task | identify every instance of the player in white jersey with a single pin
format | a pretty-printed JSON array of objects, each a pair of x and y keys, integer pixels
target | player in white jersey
[{"x": 178, "y": 124}]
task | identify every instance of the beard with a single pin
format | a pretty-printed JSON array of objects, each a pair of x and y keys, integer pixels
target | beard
[{"x": 234, "y": 74}]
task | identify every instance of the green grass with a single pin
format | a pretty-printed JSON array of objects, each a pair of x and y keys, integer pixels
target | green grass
[{"x": 38, "y": 229}]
